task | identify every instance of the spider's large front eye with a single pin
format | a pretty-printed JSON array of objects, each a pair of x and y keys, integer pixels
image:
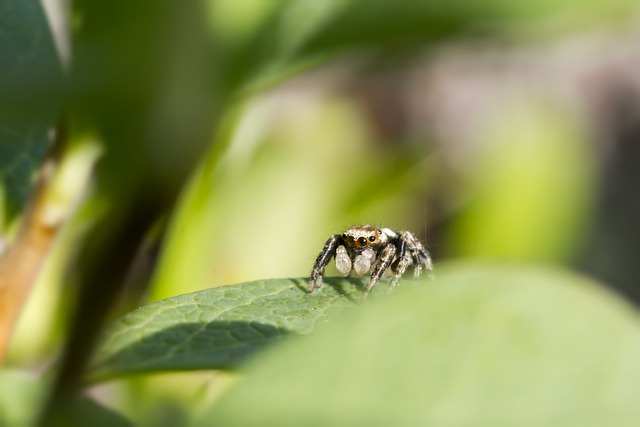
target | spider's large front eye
[
  {"x": 362, "y": 242},
  {"x": 350, "y": 240}
]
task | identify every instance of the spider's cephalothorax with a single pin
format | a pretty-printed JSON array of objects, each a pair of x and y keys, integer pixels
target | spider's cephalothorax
[{"x": 363, "y": 248}]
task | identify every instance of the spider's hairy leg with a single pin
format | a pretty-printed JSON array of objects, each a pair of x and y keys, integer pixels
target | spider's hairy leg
[
  {"x": 417, "y": 265},
  {"x": 385, "y": 260},
  {"x": 315, "y": 280},
  {"x": 401, "y": 264},
  {"x": 425, "y": 257},
  {"x": 419, "y": 254}
]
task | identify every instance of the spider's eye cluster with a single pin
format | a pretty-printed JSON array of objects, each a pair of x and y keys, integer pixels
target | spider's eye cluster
[{"x": 358, "y": 242}]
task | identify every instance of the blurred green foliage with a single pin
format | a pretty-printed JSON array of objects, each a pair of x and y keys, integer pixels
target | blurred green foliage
[
  {"x": 22, "y": 393},
  {"x": 215, "y": 154},
  {"x": 29, "y": 98},
  {"x": 532, "y": 186}
]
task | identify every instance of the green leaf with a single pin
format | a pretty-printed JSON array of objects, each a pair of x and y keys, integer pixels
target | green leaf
[
  {"x": 339, "y": 24},
  {"x": 217, "y": 328},
  {"x": 22, "y": 148},
  {"x": 29, "y": 82},
  {"x": 304, "y": 33},
  {"x": 530, "y": 187},
  {"x": 21, "y": 395},
  {"x": 87, "y": 412},
  {"x": 482, "y": 345}
]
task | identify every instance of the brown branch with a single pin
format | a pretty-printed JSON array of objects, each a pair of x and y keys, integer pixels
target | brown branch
[{"x": 21, "y": 264}]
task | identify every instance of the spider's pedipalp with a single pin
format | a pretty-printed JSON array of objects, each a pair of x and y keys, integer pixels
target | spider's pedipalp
[
  {"x": 363, "y": 262},
  {"x": 343, "y": 262}
]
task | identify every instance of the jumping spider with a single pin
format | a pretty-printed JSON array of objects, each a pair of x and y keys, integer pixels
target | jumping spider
[{"x": 364, "y": 247}]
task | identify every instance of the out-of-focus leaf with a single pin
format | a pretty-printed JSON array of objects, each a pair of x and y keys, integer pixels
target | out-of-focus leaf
[
  {"x": 235, "y": 21},
  {"x": 482, "y": 345},
  {"x": 218, "y": 327},
  {"x": 250, "y": 192},
  {"x": 142, "y": 77},
  {"x": 29, "y": 83},
  {"x": 304, "y": 32},
  {"x": 530, "y": 186},
  {"x": 399, "y": 174},
  {"x": 339, "y": 24},
  {"x": 21, "y": 395}
]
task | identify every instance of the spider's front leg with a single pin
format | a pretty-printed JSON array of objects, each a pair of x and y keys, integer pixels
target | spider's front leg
[
  {"x": 385, "y": 260},
  {"x": 315, "y": 280}
]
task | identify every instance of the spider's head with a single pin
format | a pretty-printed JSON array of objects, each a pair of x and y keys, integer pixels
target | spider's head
[{"x": 361, "y": 237}]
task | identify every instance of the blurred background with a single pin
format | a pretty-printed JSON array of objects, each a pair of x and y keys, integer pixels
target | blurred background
[
  {"x": 498, "y": 132},
  {"x": 499, "y": 151}
]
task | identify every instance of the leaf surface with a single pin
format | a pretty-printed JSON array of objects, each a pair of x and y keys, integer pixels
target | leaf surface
[
  {"x": 219, "y": 327},
  {"x": 482, "y": 345},
  {"x": 29, "y": 80}
]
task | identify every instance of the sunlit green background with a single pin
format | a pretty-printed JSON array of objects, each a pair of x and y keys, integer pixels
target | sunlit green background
[{"x": 496, "y": 130}]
